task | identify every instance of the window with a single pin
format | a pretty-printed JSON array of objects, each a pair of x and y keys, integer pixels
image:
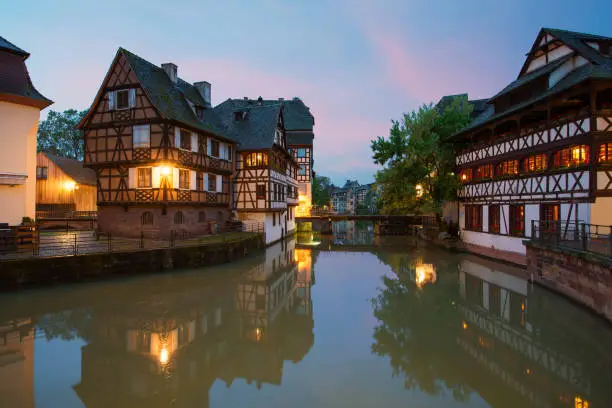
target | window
[
  {"x": 144, "y": 177},
  {"x": 179, "y": 218},
  {"x": 275, "y": 192},
  {"x": 200, "y": 181},
  {"x": 473, "y": 217},
  {"x": 485, "y": 171},
  {"x": 212, "y": 182},
  {"x": 494, "y": 219},
  {"x": 466, "y": 175},
  {"x": 549, "y": 215},
  {"x": 261, "y": 192},
  {"x": 146, "y": 218},
  {"x": 202, "y": 216},
  {"x": 229, "y": 152},
  {"x": 508, "y": 168},
  {"x": 301, "y": 152},
  {"x": 183, "y": 179},
  {"x": 605, "y": 153},
  {"x": 256, "y": 159},
  {"x": 517, "y": 220},
  {"x": 535, "y": 163},
  {"x": 141, "y": 136},
  {"x": 122, "y": 99},
  {"x": 571, "y": 156},
  {"x": 214, "y": 148},
  {"x": 42, "y": 172},
  {"x": 185, "y": 140},
  {"x": 302, "y": 170}
]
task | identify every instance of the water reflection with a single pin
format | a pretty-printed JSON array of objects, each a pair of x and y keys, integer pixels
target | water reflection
[
  {"x": 17, "y": 363},
  {"x": 494, "y": 335}
]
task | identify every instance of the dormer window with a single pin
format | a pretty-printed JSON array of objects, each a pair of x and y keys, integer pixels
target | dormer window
[
  {"x": 278, "y": 137},
  {"x": 199, "y": 112},
  {"x": 122, "y": 99},
  {"x": 240, "y": 115}
]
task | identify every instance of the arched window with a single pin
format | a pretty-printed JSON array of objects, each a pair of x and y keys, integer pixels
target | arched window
[
  {"x": 179, "y": 218},
  {"x": 146, "y": 218},
  {"x": 202, "y": 216}
]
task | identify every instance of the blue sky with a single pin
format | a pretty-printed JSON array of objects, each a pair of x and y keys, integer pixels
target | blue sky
[{"x": 357, "y": 64}]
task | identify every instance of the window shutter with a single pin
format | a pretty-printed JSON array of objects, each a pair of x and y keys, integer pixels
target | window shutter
[
  {"x": 208, "y": 149},
  {"x": 132, "y": 177},
  {"x": 132, "y": 97},
  {"x": 175, "y": 178},
  {"x": 194, "y": 142},
  {"x": 177, "y": 137},
  {"x": 155, "y": 177},
  {"x": 192, "y": 179},
  {"x": 111, "y": 100},
  {"x": 205, "y": 181},
  {"x": 219, "y": 184}
]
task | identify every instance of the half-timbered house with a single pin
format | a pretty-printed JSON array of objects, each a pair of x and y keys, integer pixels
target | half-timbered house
[
  {"x": 266, "y": 188},
  {"x": 163, "y": 161},
  {"x": 542, "y": 149},
  {"x": 299, "y": 123}
]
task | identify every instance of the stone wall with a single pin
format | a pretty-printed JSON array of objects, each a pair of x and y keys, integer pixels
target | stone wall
[
  {"x": 582, "y": 276},
  {"x": 127, "y": 223},
  {"x": 34, "y": 272}
]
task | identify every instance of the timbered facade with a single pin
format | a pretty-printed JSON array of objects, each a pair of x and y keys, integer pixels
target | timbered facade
[
  {"x": 266, "y": 188},
  {"x": 542, "y": 149},
  {"x": 162, "y": 159}
]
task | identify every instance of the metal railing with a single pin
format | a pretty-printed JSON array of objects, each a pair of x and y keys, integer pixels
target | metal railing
[
  {"x": 574, "y": 235},
  {"x": 66, "y": 215},
  {"x": 74, "y": 243}
]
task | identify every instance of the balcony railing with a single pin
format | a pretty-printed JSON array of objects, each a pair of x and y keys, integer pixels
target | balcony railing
[{"x": 574, "y": 235}]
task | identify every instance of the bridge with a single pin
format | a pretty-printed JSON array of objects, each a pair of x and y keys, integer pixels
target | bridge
[{"x": 383, "y": 224}]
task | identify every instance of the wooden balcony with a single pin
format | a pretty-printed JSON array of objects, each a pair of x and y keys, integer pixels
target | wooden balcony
[{"x": 169, "y": 196}]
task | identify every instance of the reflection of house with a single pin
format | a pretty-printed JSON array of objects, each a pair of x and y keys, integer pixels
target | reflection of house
[
  {"x": 17, "y": 364},
  {"x": 20, "y": 106},
  {"x": 162, "y": 158},
  {"x": 542, "y": 148},
  {"x": 162, "y": 349},
  {"x": 64, "y": 185}
]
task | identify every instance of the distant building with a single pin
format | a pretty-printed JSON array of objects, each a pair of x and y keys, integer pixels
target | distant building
[
  {"x": 20, "y": 106},
  {"x": 346, "y": 199},
  {"x": 63, "y": 185}
]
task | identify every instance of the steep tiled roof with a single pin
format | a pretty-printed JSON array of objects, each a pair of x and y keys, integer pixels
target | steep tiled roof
[
  {"x": 74, "y": 169},
  {"x": 171, "y": 99},
  {"x": 15, "y": 82},
  {"x": 256, "y": 130}
]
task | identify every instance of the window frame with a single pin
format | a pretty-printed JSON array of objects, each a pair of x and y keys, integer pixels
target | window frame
[
  {"x": 184, "y": 180},
  {"x": 516, "y": 226},
  {"x": 137, "y": 129},
  {"x": 212, "y": 181},
  {"x": 187, "y": 135},
  {"x": 138, "y": 186},
  {"x": 260, "y": 191},
  {"x": 494, "y": 219},
  {"x": 215, "y": 143},
  {"x": 43, "y": 174},
  {"x": 473, "y": 217},
  {"x": 127, "y": 99}
]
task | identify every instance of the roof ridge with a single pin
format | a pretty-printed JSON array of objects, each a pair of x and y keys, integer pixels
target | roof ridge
[
  {"x": 9, "y": 46},
  {"x": 576, "y": 33}
]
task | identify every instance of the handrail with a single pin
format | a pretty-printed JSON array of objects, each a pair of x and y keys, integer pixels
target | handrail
[{"x": 573, "y": 234}]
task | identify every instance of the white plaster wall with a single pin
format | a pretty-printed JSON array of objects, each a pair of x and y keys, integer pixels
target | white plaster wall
[
  {"x": 498, "y": 242},
  {"x": 18, "y": 129},
  {"x": 485, "y": 218},
  {"x": 532, "y": 213},
  {"x": 564, "y": 69},
  {"x": 601, "y": 211},
  {"x": 495, "y": 277}
]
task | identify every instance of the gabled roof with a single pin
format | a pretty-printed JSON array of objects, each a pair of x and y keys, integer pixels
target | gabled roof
[
  {"x": 256, "y": 130},
  {"x": 170, "y": 99},
  {"x": 74, "y": 169},
  {"x": 296, "y": 114},
  {"x": 6, "y": 45},
  {"x": 15, "y": 83}
]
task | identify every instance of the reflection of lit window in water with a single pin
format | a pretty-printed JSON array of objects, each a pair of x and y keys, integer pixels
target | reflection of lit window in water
[
  {"x": 580, "y": 402},
  {"x": 424, "y": 273}
]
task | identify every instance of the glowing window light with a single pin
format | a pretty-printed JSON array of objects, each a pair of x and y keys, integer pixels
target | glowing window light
[
  {"x": 419, "y": 190},
  {"x": 69, "y": 185},
  {"x": 164, "y": 356},
  {"x": 165, "y": 170}
]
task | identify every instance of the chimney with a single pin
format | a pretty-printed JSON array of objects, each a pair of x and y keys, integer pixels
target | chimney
[
  {"x": 281, "y": 99},
  {"x": 246, "y": 98},
  {"x": 203, "y": 88},
  {"x": 260, "y": 101},
  {"x": 171, "y": 71}
]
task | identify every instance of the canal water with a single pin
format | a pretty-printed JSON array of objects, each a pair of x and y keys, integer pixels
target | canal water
[{"x": 350, "y": 321}]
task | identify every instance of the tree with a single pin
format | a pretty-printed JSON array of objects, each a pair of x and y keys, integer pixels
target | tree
[
  {"x": 58, "y": 134},
  {"x": 321, "y": 187},
  {"x": 416, "y": 153}
]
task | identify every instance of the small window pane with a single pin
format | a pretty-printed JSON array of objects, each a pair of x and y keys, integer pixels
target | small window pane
[
  {"x": 144, "y": 177},
  {"x": 184, "y": 179},
  {"x": 142, "y": 136},
  {"x": 123, "y": 100}
]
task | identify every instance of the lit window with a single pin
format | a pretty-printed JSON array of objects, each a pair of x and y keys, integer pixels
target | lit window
[
  {"x": 473, "y": 217},
  {"x": 535, "y": 163},
  {"x": 466, "y": 175},
  {"x": 517, "y": 220},
  {"x": 571, "y": 157},
  {"x": 605, "y": 153},
  {"x": 144, "y": 177},
  {"x": 507, "y": 168},
  {"x": 494, "y": 219},
  {"x": 485, "y": 171}
]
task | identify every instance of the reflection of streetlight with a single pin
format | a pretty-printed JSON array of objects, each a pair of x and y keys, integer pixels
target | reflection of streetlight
[{"x": 164, "y": 356}]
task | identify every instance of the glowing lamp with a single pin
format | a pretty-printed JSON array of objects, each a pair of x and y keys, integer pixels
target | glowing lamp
[
  {"x": 69, "y": 185},
  {"x": 464, "y": 177},
  {"x": 419, "y": 190},
  {"x": 165, "y": 171},
  {"x": 164, "y": 356}
]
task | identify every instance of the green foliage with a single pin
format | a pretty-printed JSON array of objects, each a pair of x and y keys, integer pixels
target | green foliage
[
  {"x": 416, "y": 153},
  {"x": 321, "y": 186},
  {"x": 58, "y": 134}
]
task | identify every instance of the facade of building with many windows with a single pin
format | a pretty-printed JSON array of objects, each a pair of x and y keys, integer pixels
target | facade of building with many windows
[
  {"x": 539, "y": 155},
  {"x": 353, "y": 197}
]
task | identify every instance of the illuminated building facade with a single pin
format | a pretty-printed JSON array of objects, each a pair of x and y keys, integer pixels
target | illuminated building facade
[
  {"x": 542, "y": 148},
  {"x": 163, "y": 161}
]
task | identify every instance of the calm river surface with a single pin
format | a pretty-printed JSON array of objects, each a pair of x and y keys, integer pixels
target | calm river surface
[{"x": 384, "y": 324}]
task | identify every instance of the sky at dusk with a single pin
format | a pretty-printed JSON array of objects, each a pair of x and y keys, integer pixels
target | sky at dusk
[{"x": 357, "y": 64}]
